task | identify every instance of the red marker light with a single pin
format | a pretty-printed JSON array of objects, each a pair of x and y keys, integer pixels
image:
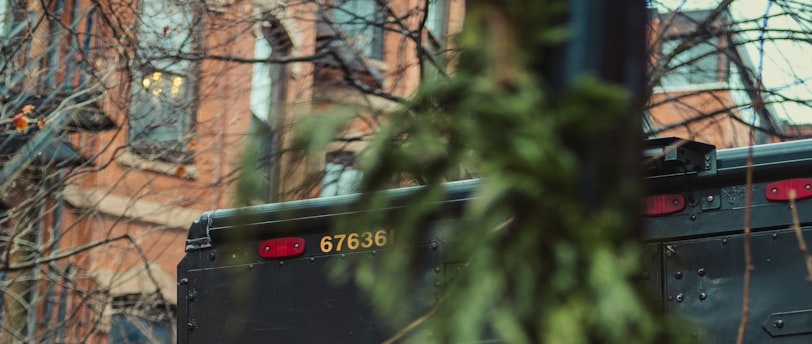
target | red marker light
[
  {"x": 281, "y": 248},
  {"x": 780, "y": 190},
  {"x": 660, "y": 205}
]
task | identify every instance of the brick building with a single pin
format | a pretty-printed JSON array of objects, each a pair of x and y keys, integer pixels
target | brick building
[
  {"x": 171, "y": 90},
  {"x": 702, "y": 82}
]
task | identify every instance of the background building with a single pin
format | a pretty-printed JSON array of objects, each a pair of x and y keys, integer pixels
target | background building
[{"x": 139, "y": 114}]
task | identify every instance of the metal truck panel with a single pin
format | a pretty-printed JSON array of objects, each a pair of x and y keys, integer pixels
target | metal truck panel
[{"x": 692, "y": 265}]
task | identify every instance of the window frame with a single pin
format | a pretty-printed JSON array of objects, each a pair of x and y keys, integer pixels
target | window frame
[{"x": 174, "y": 148}]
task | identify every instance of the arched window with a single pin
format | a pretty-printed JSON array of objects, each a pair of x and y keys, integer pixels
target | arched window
[{"x": 268, "y": 98}]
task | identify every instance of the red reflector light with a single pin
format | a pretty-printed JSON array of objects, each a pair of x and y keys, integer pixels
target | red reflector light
[
  {"x": 659, "y": 205},
  {"x": 281, "y": 248},
  {"x": 779, "y": 191}
]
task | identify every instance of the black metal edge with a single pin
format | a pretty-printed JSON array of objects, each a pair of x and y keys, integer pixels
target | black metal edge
[
  {"x": 770, "y": 161},
  {"x": 198, "y": 237},
  {"x": 281, "y": 217}
]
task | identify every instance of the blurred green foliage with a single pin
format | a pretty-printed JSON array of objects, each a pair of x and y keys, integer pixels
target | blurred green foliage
[{"x": 541, "y": 265}]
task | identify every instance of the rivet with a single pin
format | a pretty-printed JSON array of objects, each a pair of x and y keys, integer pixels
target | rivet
[
  {"x": 710, "y": 198},
  {"x": 434, "y": 245},
  {"x": 775, "y": 236},
  {"x": 693, "y": 217},
  {"x": 183, "y": 281},
  {"x": 778, "y": 324},
  {"x": 281, "y": 263},
  {"x": 267, "y": 248},
  {"x": 670, "y": 298},
  {"x": 675, "y": 202},
  {"x": 807, "y": 187},
  {"x": 700, "y": 272},
  {"x": 343, "y": 256},
  {"x": 679, "y": 298},
  {"x": 296, "y": 245},
  {"x": 678, "y": 275},
  {"x": 724, "y": 241},
  {"x": 707, "y": 158},
  {"x": 774, "y": 190},
  {"x": 437, "y": 269},
  {"x": 670, "y": 250},
  {"x": 312, "y": 259},
  {"x": 703, "y": 296},
  {"x": 190, "y": 326},
  {"x": 212, "y": 255},
  {"x": 250, "y": 266}
]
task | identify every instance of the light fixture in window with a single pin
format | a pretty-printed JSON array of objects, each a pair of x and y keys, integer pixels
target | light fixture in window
[
  {"x": 156, "y": 76},
  {"x": 177, "y": 83},
  {"x": 156, "y": 91},
  {"x": 146, "y": 82}
]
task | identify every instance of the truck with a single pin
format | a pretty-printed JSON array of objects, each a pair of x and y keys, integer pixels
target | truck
[{"x": 261, "y": 273}]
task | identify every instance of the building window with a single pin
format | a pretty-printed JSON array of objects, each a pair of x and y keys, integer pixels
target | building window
[
  {"x": 700, "y": 64},
  {"x": 362, "y": 21},
  {"x": 160, "y": 116},
  {"x": 340, "y": 175},
  {"x": 267, "y": 101},
  {"x": 437, "y": 20},
  {"x": 437, "y": 28},
  {"x": 140, "y": 319},
  {"x": 13, "y": 23},
  {"x": 5, "y": 17},
  {"x": 163, "y": 92}
]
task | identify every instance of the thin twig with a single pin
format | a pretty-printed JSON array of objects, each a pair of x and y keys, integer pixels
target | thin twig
[
  {"x": 66, "y": 254},
  {"x": 409, "y": 328},
  {"x": 796, "y": 227},
  {"x": 414, "y": 324},
  {"x": 748, "y": 257},
  {"x": 758, "y": 106}
]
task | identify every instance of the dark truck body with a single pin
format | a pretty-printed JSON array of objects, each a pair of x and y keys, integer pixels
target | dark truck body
[{"x": 693, "y": 263}]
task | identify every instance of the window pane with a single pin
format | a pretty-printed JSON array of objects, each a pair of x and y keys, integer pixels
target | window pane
[
  {"x": 126, "y": 329},
  {"x": 357, "y": 18},
  {"x": 340, "y": 180},
  {"x": 160, "y": 108},
  {"x": 261, "y": 80},
  {"x": 696, "y": 65},
  {"x": 436, "y": 19},
  {"x": 165, "y": 30},
  {"x": 5, "y": 18}
]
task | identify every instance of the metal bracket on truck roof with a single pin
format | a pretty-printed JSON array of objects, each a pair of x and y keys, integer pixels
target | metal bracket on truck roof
[
  {"x": 672, "y": 155},
  {"x": 198, "y": 237}
]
